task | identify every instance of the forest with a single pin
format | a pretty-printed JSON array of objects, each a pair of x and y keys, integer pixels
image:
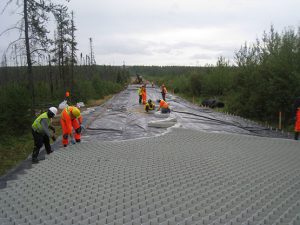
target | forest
[
  {"x": 42, "y": 64},
  {"x": 263, "y": 80}
]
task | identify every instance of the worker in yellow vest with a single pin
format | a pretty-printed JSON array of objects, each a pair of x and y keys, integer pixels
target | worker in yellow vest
[
  {"x": 149, "y": 106},
  {"x": 41, "y": 133},
  {"x": 140, "y": 94}
]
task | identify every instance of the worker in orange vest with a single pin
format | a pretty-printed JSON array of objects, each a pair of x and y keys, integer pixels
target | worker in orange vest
[
  {"x": 163, "y": 92},
  {"x": 297, "y": 124},
  {"x": 68, "y": 98},
  {"x": 71, "y": 118},
  {"x": 144, "y": 95},
  {"x": 163, "y": 106}
]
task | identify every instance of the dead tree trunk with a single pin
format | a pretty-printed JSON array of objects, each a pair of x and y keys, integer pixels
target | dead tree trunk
[{"x": 29, "y": 62}]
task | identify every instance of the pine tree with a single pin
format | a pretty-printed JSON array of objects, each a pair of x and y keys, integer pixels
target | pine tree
[
  {"x": 33, "y": 29},
  {"x": 62, "y": 40},
  {"x": 73, "y": 50}
]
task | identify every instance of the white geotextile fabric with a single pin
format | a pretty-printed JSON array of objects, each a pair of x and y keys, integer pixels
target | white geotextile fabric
[{"x": 163, "y": 123}]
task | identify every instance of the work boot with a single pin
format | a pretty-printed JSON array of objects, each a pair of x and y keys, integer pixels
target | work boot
[
  {"x": 49, "y": 152},
  {"x": 35, "y": 154},
  {"x": 78, "y": 140},
  {"x": 35, "y": 160}
]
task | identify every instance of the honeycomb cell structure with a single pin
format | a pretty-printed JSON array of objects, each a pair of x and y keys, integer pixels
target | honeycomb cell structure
[{"x": 183, "y": 177}]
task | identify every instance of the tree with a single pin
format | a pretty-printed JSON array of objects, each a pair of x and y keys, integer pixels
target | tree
[
  {"x": 62, "y": 40},
  {"x": 73, "y": 50},
  {"x": 33, "y": 33},
  {"x": 268, "y": 76}
]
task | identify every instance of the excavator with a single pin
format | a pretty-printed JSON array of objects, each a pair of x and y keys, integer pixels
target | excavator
[{"x": 138, "y": 79}]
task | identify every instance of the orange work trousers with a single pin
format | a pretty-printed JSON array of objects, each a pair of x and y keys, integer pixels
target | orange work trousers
[
  {"x": 65, "y": 129},
  {"x": 144, "y": 98}
]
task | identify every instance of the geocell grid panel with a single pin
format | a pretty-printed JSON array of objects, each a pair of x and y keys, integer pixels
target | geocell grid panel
[{"x": 183, "y": 177}]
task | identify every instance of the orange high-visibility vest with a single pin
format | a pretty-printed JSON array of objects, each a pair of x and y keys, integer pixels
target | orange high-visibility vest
[
  {"x": 66, "y": 117},
  {"x": 297, "y": 123},
  {"x": 163, "y": 104}
]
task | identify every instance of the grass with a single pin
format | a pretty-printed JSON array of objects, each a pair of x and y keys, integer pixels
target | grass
[
  {"x": 95, "y": 102},
  {"x": 15, "y": 149}
]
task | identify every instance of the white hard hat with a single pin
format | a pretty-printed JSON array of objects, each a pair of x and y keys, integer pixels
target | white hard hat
[{"x": 53, "y": 110}]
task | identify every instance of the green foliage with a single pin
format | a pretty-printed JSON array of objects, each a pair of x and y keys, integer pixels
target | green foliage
[
  {"x": 95, "y": 88},
  {"x": 89, "y": 83},
  {"x": 84, "y": 89},
  {"x": 14, "y": 149},
  {"x": 15, "y": 109},
  {"x": 265, "y": 81},
  {"x": 15, "y": 100},
  {"x": 268, "y": 77},
  {"x": 196, "y": 82},
  {"x": 42, "y": 91},
  {"x": 180, "y": 85}
]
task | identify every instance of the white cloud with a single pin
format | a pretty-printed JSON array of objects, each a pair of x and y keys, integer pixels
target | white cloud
[{"x": 172, "y": 31}]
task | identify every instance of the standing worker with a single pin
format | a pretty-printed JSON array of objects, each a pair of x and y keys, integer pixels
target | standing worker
[
  {"x": 71, "y": 118},
  {"x": 68, "y": 98},
  {"x": 41, "y": 133},
  {"x": 296, "y": 112},
  {"x": 164, "y": 106},
  {"x": 140, "y": 94},
  {"x": 297, "y": 124},
  {"x": 144, "y": 94},
  {"x": 163, "y": 92}
]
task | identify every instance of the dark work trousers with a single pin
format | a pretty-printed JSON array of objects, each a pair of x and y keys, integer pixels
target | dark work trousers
[
  {"x": 296, "y": 135},
  {"x": 39, "y": 140},
  {"x": 163, "y": 110},
  {"x": 163, "y": 94},
  {"x": 140, "y": 99}
]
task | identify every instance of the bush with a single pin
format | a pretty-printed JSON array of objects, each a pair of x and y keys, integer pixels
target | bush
[{"x": 15, "y": 108}]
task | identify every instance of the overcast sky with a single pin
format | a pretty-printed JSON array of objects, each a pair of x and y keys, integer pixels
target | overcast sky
[{"x": 170, "y": 32}]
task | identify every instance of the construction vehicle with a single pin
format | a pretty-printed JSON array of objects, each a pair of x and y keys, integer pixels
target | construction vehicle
[{"x": 138, "y": 79}]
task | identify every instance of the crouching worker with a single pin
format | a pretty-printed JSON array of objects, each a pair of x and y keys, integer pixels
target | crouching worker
[
  {"x": 71, "y": 118},
  {"x": 164, "y": 106},
  {"x": 149, "y": 106},
  {"x": 41, "y": 133}
]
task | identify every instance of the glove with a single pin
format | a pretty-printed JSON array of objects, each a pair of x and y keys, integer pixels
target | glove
[
  {"x": 53, "y": 138},
  {"x": 53, "y": 129},
  {"x": 82, "y": 127},
  {"x": 65, "y": 136},
  {"x": 73, "y": 142},
  {"x": 78, "y": 130}
]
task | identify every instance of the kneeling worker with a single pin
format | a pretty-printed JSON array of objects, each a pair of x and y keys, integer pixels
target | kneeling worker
[
  {"x": 41, "y": 133},
  {"x": 149, "y": 106},
  {"x": 71, "y": 118},
  {"x": 164, "y": 106}
]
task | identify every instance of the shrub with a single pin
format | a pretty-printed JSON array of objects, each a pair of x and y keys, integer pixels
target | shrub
[{"x": 15, "y": 108}]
